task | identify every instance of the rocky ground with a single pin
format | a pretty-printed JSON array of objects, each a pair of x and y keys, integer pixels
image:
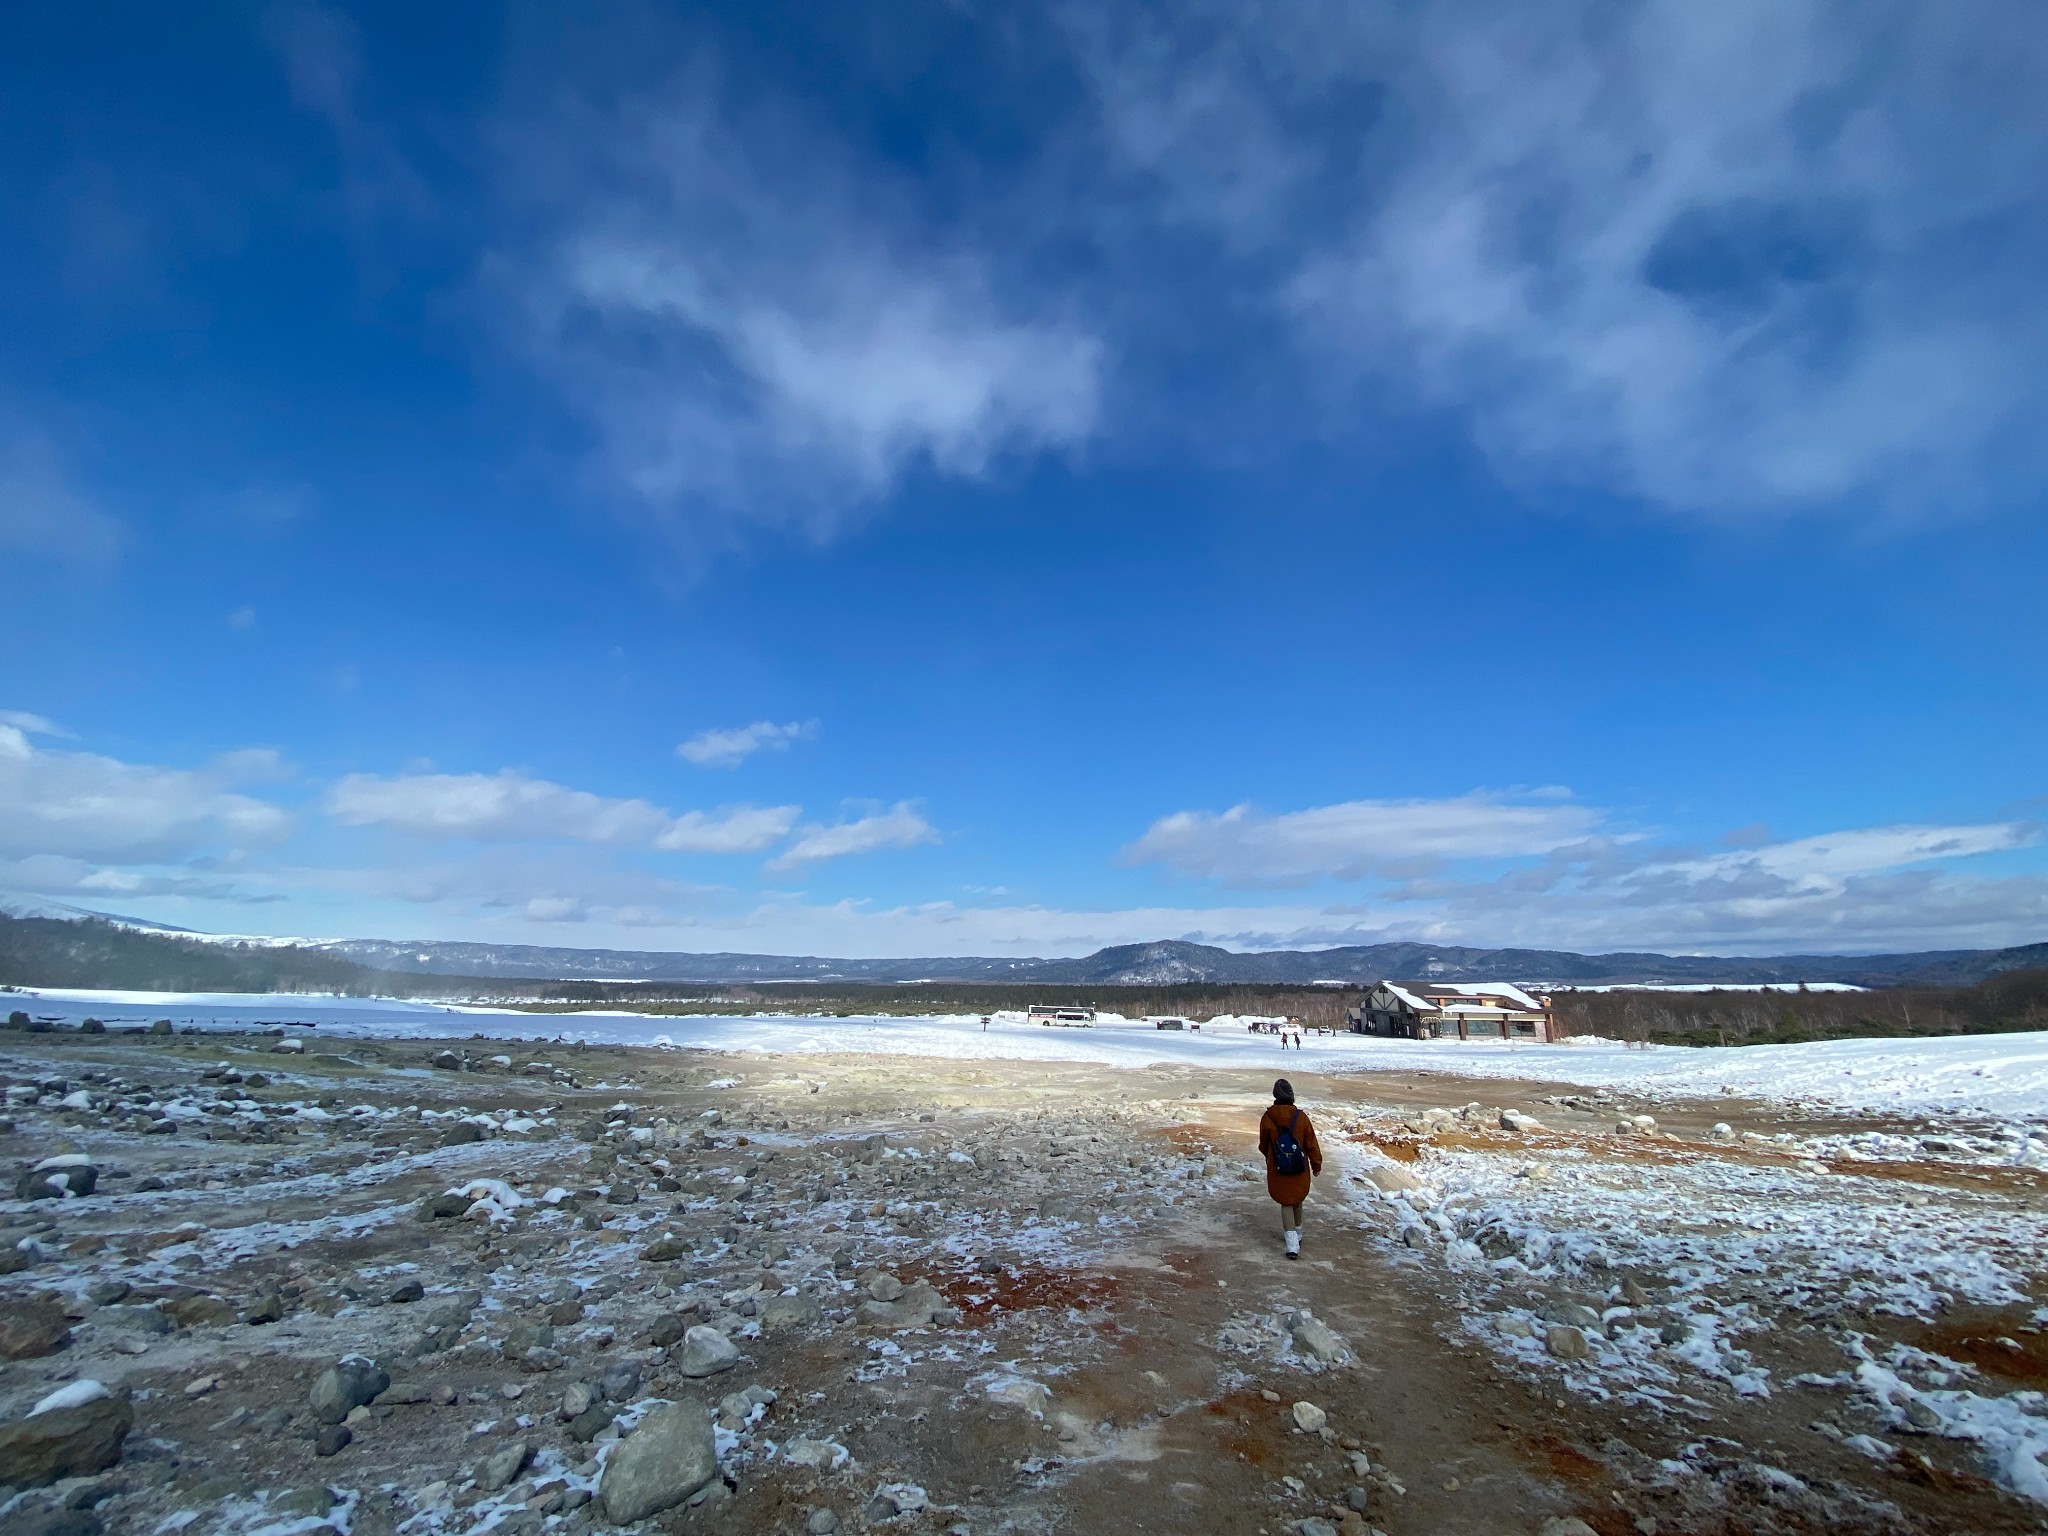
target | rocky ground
[{"x": 461, "y": 1286}]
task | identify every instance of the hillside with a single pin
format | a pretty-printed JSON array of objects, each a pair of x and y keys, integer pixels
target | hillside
[{"x": 63, "y": 947}]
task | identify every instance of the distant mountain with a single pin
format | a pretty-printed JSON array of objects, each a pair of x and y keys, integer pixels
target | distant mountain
[{"x": 50, "y": 945}]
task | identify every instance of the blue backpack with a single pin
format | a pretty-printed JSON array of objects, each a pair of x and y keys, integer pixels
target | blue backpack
[{"x": 1288, "y": 1158}]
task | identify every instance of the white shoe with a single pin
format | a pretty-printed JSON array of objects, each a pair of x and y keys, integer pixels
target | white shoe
[{"x": 1294, "y": 1245}]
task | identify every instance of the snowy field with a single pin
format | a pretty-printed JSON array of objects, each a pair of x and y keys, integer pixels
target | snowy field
[{"x": 1971, "y": 1076}]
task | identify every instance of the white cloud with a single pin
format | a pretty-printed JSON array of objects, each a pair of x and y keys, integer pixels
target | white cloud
[
  {"x": 1243, "y": 846},
  {"x": 41, "y": 511},
  {"x": 511, "y": 806},
  {"x": 84, "y": 806},
  {"x": 898, "y": 827},
  {"x": 748, "y": 325},
  {"x": 731, "y": 747},
  {"x": 1765, "y": 254},
  {"x": 32, "y": 725}
]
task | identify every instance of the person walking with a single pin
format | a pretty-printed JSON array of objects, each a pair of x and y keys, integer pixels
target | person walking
[{"x": 1287, "y": 1141}]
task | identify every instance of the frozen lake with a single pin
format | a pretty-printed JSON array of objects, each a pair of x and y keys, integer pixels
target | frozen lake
[{"x": 2003, "y": 1076}]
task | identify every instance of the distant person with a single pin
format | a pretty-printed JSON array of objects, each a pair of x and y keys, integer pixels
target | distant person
[{"x": 1293, "y": 1157}]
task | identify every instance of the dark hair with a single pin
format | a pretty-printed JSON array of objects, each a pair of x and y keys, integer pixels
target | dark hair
[{"x": 1283, "y": 1092}]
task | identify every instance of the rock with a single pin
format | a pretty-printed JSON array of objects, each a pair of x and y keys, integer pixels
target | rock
[
  {"x": 821, "y": 1522},
  {"x": 915, "y": 1308},
  {"x": 200, "y": 1311},
  {"x": 310, "y": 1502},
  {"x": 501, "y": 1466},
  {"x": 1515, "y": 1120},
  {"x": 1319, "y": 1339},
  {"x": 819, "y": 1455},
  {"x": 453, "y": 1311},
  {"x": 883, "y": 1286},
  {"x": 333, "y": 1439},
  {"x": 441, "y": 1207},
  {"x": 150, "y": 1320},
  {"x": 1309, "y": 1419},
  {"x": 895, "y": 1499},
  {"x": 579, "y": 1397},
  {"x": 33, "y": 1328},
  {"x": 1314, "y": 1525},
  {"x": 104, "y": 1293},
  {"x": 590, "y": 1423},
  {"x": 669, "y": 1457},
  {"x": 290, "y": 1045},
  {"x": 403, "y": 1394},
  {"x": 527, "y": 1337},
  {"x": 73, "y": 1441},
  {"x": 447, "y": 1061},
  {"x": 620, "y": 1383},
  {"x": 666, "y": 1331},
  {"x": 1565, "y": 1525},
  {"x": 664, "y": 1250},
  {"x": 268, "y": 1307},
  {"x": 1416, "y": 1236},
  {"x": 1566, "y": 1342},
  {"x": 57, "y": 1178},
  {"x": 461, "y": 1134},
  {"x": 349, "y": 1383},
  {"x": 407, "y": 1290},
  {"x": 706, "y": 1352},
  {"x": 1391, "y": 1178},
  {"x": 779, "y": 1314},
  {"x": 1576, "y": 1313}
]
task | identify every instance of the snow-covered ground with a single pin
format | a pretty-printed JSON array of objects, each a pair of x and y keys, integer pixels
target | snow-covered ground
[{"x": 1972, "y": 1076}]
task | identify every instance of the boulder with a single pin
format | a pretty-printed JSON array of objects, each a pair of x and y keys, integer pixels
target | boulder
[
  {"x": 71, "y": 1441},
  {"x": 664, "y": 1250},
  {"x": 348, "y": 1383},
  {"x": 1566, "y": 1342},
  {"x": 669, "y": 1457},
  {"x": 441, "y": 1207},
  {"x": 57, "y": 1178},
  {"x": 706, "y": 1352},
  {"x": 32, "y": 1328},
  {"x": 502, "y": 1465},
  {"x": 1309, "y": 1419}
]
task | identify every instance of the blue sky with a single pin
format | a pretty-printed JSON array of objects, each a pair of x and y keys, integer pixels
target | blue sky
[{"x": 1003, "y": 480}]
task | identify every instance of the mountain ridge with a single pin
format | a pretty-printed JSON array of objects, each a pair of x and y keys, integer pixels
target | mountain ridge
[{"x": 1163, "y": 962}]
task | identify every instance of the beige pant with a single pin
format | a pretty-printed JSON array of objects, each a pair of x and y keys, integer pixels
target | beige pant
[{"x": 1290, "y": 1218}]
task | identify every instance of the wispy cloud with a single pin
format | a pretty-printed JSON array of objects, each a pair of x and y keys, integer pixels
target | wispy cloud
[
  {"x": 898, "y": 827},
  {"x": 510, "y": 806},
  {"x": 42, "y": 511},
  {"x": 1763, "y": 255},
  {"x": 730, "y": 747},
  {"x": 1244, "y": 846},
  {"x": 756, "y": 330}
]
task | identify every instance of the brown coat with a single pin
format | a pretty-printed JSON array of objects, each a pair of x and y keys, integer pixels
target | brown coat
[{"x": 1289, "y": 1190}]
